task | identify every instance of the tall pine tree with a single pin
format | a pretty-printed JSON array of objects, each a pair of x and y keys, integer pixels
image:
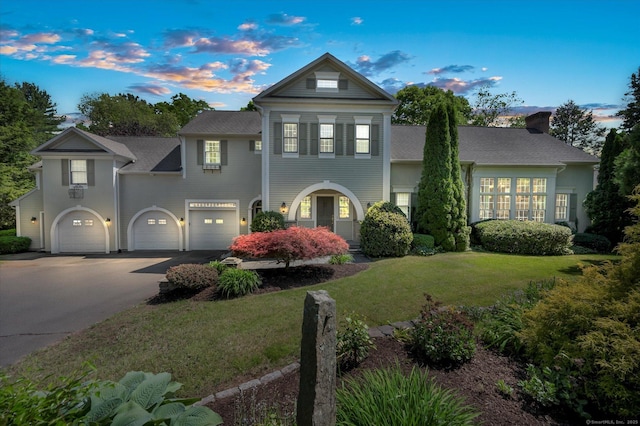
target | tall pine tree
[
  {"x": 435, "y": 193},
  {"x": 459, "y": 204},
  {"x": 607, "y": 208}
]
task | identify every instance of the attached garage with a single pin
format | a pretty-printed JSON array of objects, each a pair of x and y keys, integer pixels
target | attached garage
[
  {"x": 155, "y": 230},
  {"x": 80, "y": 231},
  {"x": 212, "y": 229}
]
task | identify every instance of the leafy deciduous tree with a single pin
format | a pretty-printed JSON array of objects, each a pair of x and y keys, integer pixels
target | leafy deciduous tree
[
  {"x": 417, "y": 103},
  {"x": 287, "y": 245},
  {"x": 488, "y": 108},
  {"x": 576, "y": 127},
  {"x": 627, "y": 165},
  {"x": 182, "y": 107}
]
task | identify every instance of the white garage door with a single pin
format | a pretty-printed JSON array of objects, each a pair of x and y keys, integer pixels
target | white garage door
[
  {"x": 155, "y": 230},
  {"x": 212, "y": 229},
  {"x": 81, "y": 232}
]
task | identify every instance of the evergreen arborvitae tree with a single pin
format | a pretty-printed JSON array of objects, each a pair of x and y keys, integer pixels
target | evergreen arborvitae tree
[
  {"x": 608, "y": 210},
  {"x": 459, "y": 226},
  {"x": 435, "y": 194}
]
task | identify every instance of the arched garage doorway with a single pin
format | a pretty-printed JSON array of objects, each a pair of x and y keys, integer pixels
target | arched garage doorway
[
  {"x": 79, "y": 230},
  {"x": 154, "y": 228}
]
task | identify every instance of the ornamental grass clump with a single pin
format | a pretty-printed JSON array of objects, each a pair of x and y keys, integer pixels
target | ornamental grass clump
[
  {"x": 388, "y": 397},
  {"x": 238, "y": 282},
  {"x": 192, "y": 276}
]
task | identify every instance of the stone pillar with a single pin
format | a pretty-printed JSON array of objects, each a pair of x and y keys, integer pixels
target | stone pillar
[{"x": 317, "y": 396}]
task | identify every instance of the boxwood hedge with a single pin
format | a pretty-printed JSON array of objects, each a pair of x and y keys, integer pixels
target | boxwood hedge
[{"x": 534, "y": 238}]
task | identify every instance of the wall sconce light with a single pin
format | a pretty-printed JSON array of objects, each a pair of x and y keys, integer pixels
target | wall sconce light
[
  {"x": 368, "y": 205},
  {"x": 243, "y": 221},
  {"x": 283, "y": 208},
  {"x": 182, "y": 219},
  {"x": 108, "y": 221},
  {"x": 33, "y": 219}
]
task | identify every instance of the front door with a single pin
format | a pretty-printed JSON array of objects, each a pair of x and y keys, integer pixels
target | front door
[{"x": 325, "y": 212}]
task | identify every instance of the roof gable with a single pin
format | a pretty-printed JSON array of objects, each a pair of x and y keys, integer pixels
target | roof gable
[
  {"x": 295, "y": 85},
  {"x": 74, "y": 140}
]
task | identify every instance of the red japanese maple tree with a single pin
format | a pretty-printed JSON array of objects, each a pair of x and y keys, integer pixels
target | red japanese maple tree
[{"x": 287, "y": 245}]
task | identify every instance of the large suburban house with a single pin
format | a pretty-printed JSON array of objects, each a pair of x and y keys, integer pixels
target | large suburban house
[{"x": 320, "y": 149}]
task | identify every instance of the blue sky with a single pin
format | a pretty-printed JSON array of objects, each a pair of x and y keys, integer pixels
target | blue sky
[{"x": 226, "y": 52}]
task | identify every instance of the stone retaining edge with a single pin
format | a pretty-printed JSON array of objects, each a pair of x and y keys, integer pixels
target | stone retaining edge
[{"x": 381, "y": 331}]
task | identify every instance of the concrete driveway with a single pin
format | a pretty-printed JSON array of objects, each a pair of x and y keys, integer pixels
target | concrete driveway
[{"x": 44, "y": 298}]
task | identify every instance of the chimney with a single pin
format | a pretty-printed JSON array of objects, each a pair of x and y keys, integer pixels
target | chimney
[{"x": 538, "y": 121}]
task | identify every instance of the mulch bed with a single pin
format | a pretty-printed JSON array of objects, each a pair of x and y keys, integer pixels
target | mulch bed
[{"x": 475, "y": 381}]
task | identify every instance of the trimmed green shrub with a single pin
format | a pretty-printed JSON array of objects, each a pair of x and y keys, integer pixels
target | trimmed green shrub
[
  {"x": 568, "y": 225},
  {"x": 341, "y": 259},
  {"x": 598, "y": 243},
  {"x": 422, "y": 241},
  {"x": 192, "y": 276},
  {"x": 8, "y": 233},
  {"x": 385, "y": 231},
  {"x": 238, "y": 282},
  {"x": 388, "y": 397},
  {"x": 534, "y": 238},
  {"x": 353, "y": 342},
  {"x": 267, "y": 221},
  {"x": 14, "y": 244},
  {"x": 443, "y": 336}
]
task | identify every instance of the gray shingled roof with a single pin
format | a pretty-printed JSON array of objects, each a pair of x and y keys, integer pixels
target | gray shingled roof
[
  {"x": 101, "y": 143},
  {"x": 247, "y": 123},
  {"x": 492, "y": 146},
  {"x": 154, "y": 154}
]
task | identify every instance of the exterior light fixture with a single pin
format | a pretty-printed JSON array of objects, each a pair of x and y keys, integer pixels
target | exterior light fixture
[
  {"x": 369, "y": 205},
  {"x": 182, "y": 219},
  {"x": 33, "y": 219},
  {"x": 108, "y": 220},
  {"x": 243, "y": 221},
  {"x": 283, "y": 207}
]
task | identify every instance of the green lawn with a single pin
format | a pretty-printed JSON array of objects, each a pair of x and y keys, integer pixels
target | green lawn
[{"x": 206, "y": 345}]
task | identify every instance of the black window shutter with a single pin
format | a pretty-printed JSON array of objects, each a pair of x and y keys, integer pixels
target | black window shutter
[
  {"x": 573, "y": 206},
  {"x": 91, "y": 172},
  {"x": 252, "y": 145},
  {"x": 302, "y": 139},
  {"x": 224, "y": 160},
  {"x": 277, "y": 137},
  {"x": 65, "y": 171},
  {"x": 343, "y": 84},
  {"x": 314, "y": 138},
  {"x": 200, "y": 148},
  {"x": 311, "y": 83},
  {"x": 375, "y": 139},
  {"x": 339, "y": 139},
  {"x": 351, "y": 131}
]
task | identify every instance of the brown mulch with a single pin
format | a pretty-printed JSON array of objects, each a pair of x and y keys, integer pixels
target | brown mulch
[{"x": 475, "y": 381}]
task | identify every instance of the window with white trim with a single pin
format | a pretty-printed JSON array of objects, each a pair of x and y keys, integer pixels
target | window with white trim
[
  {"x": 151, "y": 221},
  {"x": 495, "y": 198},
  {"x": 531, "y": 199},
  {"x": 258, "y": 145},
  {"x": 212, "y": 154},
  {"x": 88, "y": 222},
  {"x": 363, "y": 138},
  {"x": 305, "y": 208},
  {"x": 77, "y": 222},
  {"x": 562, "y": 207},
  {"x": 78, "y": 172},
  {"x": 326, "y": 84},
  {"x": 290, "y": 137},
  {"x": 403, "y": 201},
  {"x": 326, "y": 139},
  {"x": 344, "y": 207}
]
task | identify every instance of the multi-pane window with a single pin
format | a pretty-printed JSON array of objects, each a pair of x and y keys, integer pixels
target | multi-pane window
[
  {"x": 403, "y": 202},
  {"x": 305, "y": 208},
  {"x": 531, "y": 199},
  {"x": 562, "y": 206},
  {"x": 258, "y": 146},
  {"x": 290, "y": 141},
  {"x": 326, "y": 84},
  {"x": 495, "y": 198},
  {"x": 77, "y": 222},
  {"x": 343, "y": 207},
  {"x": 78, "y": 170},
  {"x": 326, "y": 138},
  {"x": 363, "y": 139},
  {"x": 151, "y": 221},
  {"x": 212, "y": 153},
  {"x": 88, "y": 222}
]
